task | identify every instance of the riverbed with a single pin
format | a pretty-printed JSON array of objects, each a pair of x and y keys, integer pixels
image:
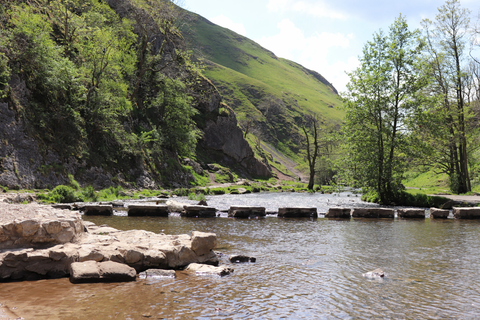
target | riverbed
[{"x": 305, "y": 269}]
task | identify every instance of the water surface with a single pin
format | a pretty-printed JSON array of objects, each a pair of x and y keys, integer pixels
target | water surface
[{"x": 306, "y": 269}]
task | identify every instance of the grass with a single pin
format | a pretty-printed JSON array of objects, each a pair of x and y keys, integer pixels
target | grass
[{"x": 248, "y": 76}]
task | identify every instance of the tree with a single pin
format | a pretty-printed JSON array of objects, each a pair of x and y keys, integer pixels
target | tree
[
  {"x": 447, "y": 39},
  {"x": 311, "y": 128},
  {"x": 382, "y": 97}
]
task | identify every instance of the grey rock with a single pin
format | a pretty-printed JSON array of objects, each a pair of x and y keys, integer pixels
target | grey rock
[
  {"x": 436, "y": 213},
  {"x": 411, "y": 213},
  {"x": 375, "y": 274},
  {"x": 99, "y": 210},
  {"x": 297, "y": 212},
  {"x": 466, "y": 213},
  {"x": 373, "y": 213},
  {"x": 108, "y": 271},
  {"x": 157, "y": 274},
  {"x": 344, "y": 213},
  {"x": 207, "y": 270},
  {"x": 193, "y": 211},
  {"x": 153, "y": 210},
  {"x": 246, "y": 212}
]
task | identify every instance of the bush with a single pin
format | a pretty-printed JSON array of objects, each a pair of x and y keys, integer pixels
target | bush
[{"x": 60, "y": 194}]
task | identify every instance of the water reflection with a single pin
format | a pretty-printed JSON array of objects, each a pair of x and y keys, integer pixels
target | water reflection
[{"x": 306, "y": 269}]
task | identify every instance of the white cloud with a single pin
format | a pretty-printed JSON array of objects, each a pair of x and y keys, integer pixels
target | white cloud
[
  {"x": 226, "y": 22},
  {"x": 312, "y": 52},
  {"x": 315, "y": 8}
]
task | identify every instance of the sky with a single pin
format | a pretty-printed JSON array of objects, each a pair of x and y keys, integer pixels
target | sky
[{"x": 325, "y": 36}]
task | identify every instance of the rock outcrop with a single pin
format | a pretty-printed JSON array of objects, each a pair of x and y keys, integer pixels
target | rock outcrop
[{"x": 46, "y": 243}]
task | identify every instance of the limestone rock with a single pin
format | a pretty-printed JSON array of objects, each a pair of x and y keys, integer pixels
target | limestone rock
[
  {"x": 411, "y": 213},
  {"x": 344, "y": 213},
  {"x": 192, "y": 211},
  {"x": 246, "y": 212},
  {"x": 439, "y": 213},
  {"x": 373, "y": 213},
  {"x": 175, "y": 206},
  {"x": 108, "y": 271},
  {"x": 207, "y": 270},
  {"x": 466, "y": 213},
  {"x": 157, "y": 274},
  {"x": 155, "y": 210},
  {"x": 375, "y": 274},
  {"x": 99, "y": 210},
  {"x": 203, "y": 243},
  {"x": 297, "y": 212}
]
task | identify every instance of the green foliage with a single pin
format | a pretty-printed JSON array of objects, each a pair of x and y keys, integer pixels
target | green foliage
[
  {"x": 383, "y": 96},
  {"x": 60, "y": 194},
  {"x": 109, "y": 194},
  {"x": 73, "y": 183},
  {"x": 88, "y": 194}
]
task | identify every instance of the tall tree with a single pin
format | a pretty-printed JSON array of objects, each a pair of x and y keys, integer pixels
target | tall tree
[
  {"x": 447, "y": 39},
  {"x": 382, "y": 96}
]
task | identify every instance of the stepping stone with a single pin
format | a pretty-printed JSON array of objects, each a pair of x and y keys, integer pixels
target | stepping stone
[
  {"x": 98, "y": 210},
  {"x": 343, "y": 213},
  {"x": 411, "y": 213},
  {"x": 150, "y": 210},
  {"x": 297, "y": 212},
  {"x": 439, "y": 213},
  {"x": 373, "y": 213},
  {"x": 466, "y": 213},
  {"x": 246, "y": 212},
  {"x": 199, "y": 212}
]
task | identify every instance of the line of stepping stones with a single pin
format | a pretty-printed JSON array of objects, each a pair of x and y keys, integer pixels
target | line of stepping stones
[{"x": 161, "y": 210}]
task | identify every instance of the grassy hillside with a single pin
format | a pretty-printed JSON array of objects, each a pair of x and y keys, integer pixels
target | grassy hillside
[{"x": 272, "y": 92}]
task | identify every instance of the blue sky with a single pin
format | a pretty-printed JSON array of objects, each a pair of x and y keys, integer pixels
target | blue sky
[{"x": 326, "y": 36}]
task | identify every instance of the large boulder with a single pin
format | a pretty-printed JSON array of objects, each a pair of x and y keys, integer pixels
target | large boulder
[
  {"x": 108, "y": 271},
  {"x": 98, "y": 210}
]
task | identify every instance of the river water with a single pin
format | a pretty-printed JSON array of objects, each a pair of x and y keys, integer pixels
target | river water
[{"x": 305, "y": 269}]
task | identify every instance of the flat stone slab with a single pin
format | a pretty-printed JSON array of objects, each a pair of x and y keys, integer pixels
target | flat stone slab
[
  {"x": 98, "y": 210},
  {"x": 195, "y": 211},
  {"x": 411, "y": 213},
  {"x": 373, "y": 213},
  {"x": 108, "y": 271},
  {"x": 150, "y": 210},
  {"x": 343, "y": 213},
  {"x": 157, "y": 274},
  {"x": 207, "y": 270},
  {"x": 246, "y": 212},
  {"x": 436, "y": 213},
  {"x": 466, "y": 213},
  {"x": 297, "y": 212}
]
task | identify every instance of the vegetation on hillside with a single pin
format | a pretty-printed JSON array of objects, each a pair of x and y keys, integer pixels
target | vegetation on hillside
[
  {"x": 113, "y": 91},
  {"x": 270, "y": 95}
]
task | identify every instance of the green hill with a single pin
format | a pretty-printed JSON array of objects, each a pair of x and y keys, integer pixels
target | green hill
[{"x": 270, "y": 95}]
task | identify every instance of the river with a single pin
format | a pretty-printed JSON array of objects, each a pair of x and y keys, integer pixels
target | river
[{"x": 305, "y": 269}]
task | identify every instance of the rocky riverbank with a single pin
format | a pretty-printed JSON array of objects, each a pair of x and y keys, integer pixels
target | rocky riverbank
[{"x": 41, "y": 242}]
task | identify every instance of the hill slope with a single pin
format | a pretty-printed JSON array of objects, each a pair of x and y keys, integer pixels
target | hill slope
[{"x": 270, "y": 95}]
